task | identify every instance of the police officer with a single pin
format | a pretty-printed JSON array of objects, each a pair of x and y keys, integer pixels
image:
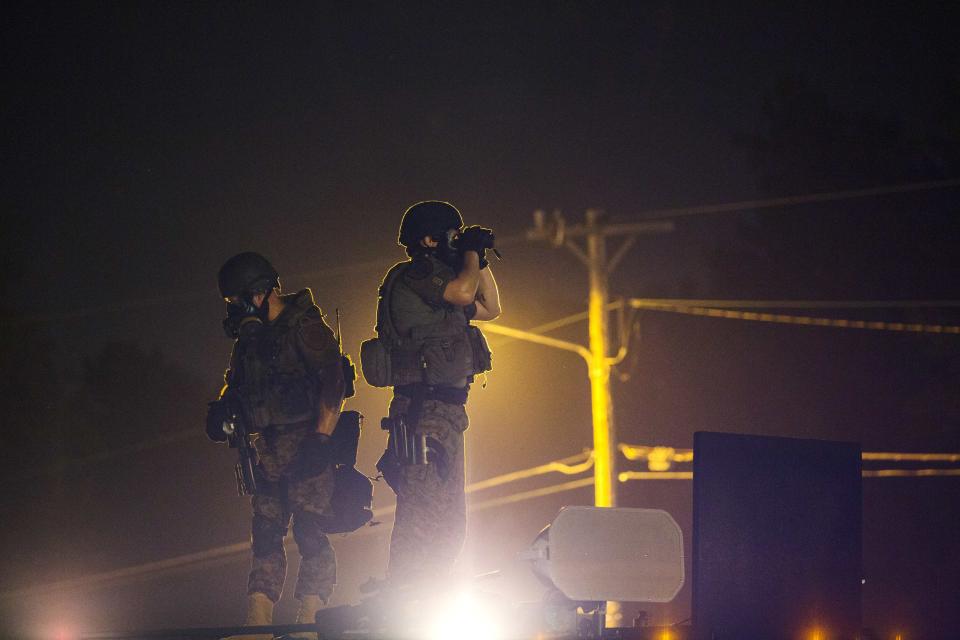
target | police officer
[
  {"x": 424, "y": 314},
  {"x": 285, "y": 372}
]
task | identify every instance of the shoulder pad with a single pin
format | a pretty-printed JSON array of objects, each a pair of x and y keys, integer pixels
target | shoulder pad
[
  {"x": 315, "y": 332},
  {"x": 419, "y": 268},
  {"x": 311, "y": 315}
]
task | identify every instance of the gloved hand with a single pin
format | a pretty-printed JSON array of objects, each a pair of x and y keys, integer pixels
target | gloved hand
[
  {"x": 314, "y": 455},
  {"x": 216, "y": 414},
  {"x": 479, "y": 239}
]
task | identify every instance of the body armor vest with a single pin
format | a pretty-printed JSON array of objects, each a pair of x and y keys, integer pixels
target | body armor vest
[
  {"x": 273, "y": 381},
  {"x": 421, "y": 343}
]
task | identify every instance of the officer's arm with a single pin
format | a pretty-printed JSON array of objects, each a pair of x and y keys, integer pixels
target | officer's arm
[
  {"x": 462, "y": 290},
  {"x": 322, "y": 354},
  {"x": 488, "y": 297},
  {"x": 331, "y": 399}
]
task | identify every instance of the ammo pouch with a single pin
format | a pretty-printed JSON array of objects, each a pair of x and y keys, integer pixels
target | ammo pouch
[
  {"x": 445, "y": 353},
  {"x": 482, "y": 358},
  {"x": 437, "y": 360},
  {"x": 446, "y": 359},
  {"x": 291, "y": 396}
]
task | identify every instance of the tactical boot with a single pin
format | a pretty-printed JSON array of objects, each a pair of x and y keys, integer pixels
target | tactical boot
[
  {"x": 309, "y": 605},
  {"x": 259, "y": 612}
]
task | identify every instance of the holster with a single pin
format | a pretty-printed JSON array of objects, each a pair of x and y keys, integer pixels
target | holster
[{"x": 407, "y": 445}]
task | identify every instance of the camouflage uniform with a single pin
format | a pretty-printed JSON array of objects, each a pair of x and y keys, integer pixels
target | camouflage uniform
[
  {"x": 430, "y": 524},
  {"x": 431, "y": 520},
  {"x": 280, "y": 379},
  {"x": 290, "y": 489}
]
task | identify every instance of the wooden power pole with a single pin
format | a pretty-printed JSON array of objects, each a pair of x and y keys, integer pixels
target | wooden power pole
[{"x": 594, "y": 256}]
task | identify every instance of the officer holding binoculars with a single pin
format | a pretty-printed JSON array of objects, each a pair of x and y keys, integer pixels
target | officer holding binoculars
[{"x": 429, "y": 352}]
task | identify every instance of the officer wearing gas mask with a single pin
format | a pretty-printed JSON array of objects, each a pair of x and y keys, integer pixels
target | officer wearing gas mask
[
  {"x": 428, "y": 351},
  {"x": 285, "y": 372}
]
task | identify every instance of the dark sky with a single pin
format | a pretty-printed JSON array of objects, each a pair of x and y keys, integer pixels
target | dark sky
[{"x": 146, "y": 143}]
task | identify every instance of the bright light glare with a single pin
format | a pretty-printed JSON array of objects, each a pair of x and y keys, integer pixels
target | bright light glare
[
  {"x": 464, "y": 618},
  {"x": 61, "y": 632}
]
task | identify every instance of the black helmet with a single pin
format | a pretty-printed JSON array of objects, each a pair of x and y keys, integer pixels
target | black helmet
[
  {"x": 247, "y": 271},
  {"x": 430, "y": 218}
]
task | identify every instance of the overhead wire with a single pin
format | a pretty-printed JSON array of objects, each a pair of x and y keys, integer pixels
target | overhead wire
[
  {"x": 626, "y": 476},
  {"x": 780, "y": 318},
  {"x": 381, "y": 263},
  {"x": 636, "y": 452},
  {"x": 790, "y": 201}
]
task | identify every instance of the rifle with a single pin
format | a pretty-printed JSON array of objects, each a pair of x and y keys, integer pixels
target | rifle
[{"x": 238, "y": 437}]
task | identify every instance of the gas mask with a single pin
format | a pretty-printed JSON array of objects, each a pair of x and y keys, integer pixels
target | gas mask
[
  {"x": 447, "y": 251},
  {"x": 244, "y": 319}
]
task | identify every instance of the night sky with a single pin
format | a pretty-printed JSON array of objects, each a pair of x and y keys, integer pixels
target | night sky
[{"x": 146, "y": 143}]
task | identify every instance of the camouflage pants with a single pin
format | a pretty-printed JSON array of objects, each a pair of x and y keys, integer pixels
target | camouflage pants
[
  {"x": 431, "y": 518},
  {"x": 290, "y": 485}
]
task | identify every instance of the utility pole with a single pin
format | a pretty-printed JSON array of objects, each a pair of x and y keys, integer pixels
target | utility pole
[{"x": 594, "y": 257}]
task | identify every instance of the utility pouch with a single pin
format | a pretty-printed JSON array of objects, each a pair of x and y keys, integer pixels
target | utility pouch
[
  {"x": 375, "y": 362},
  {"x": 482, "y": 357},
  {"x": 447, "y": 358}
]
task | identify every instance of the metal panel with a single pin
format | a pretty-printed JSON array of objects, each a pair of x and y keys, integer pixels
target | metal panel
[
  {"x": 776, "y": 537},
  {"x": 633, "y": 555}
]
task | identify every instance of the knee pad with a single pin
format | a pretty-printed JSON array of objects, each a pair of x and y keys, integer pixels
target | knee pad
[
  {"x": 308, "y": 532},
  {"x": 267, "y": 536}
]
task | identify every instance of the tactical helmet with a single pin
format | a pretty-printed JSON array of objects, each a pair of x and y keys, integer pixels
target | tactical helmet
[
  {"x": 247, "y": 271},
  {"x": 429, "y": 218}
]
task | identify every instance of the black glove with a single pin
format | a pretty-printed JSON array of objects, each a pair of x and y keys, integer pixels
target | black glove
[
  {"x": 216, "y": 414},
  {"x": 477, "y": 239},
  {"x": 313, "y": 456}
]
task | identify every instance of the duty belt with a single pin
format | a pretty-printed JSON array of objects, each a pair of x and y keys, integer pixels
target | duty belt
[
  {"x": 409, "y": 446},
  {"x": 450, "y": 395}
]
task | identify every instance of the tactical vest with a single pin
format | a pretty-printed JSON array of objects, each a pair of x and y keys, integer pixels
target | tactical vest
[
  {"x": 272, "y": 378},
  {"x": 420, "y": 343}
]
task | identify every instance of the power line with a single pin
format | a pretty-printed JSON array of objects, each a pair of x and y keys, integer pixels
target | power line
[
  {"x": 627, "y": 476},
  {"x": 911, "y": 457},
  {"x": 719, "y": 303},
  {"x": 908, "y": 473},
  {"x": 657, "y": 454},
  {"x": 780, "y": 318},
  {"x": 789, "y": 201},
  {"x": 382, "y": 264}
]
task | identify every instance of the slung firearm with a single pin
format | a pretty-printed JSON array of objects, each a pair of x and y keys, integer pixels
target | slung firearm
[{"x": 238, "y": 437}]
